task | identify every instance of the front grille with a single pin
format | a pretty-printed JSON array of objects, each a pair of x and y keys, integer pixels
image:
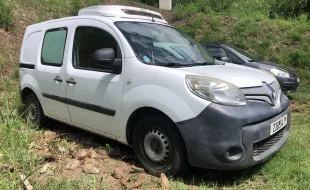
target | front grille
[
  {"x": 262, "y": 93},
  {"x": 264, "y": 145}
]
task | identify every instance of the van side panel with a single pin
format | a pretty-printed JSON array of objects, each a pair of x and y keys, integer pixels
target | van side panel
[{"x": 31, "y": 47}]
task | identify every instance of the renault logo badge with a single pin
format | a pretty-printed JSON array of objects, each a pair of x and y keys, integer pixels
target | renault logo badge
[{"x": 271, "y": 93}]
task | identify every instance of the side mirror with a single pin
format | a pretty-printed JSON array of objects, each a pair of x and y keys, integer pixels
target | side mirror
[
  {"x": 225, "y": 59},
  {"x": 104, "y": 55}
]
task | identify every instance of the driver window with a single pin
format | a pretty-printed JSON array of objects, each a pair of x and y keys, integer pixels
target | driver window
[
  {"x": 235, "y": 59},
  {"x": 217, "y": 53},
  {"x": 86, "y": 41}
]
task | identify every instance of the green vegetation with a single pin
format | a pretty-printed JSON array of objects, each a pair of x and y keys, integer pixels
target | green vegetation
[
  {"x": 15, "y": 140},
  {"x": 274, "y": 30},
  {"x": 250, "y": 26},
  {"x": 59, "y": 8},
  {"x": 6, "y": 13}
]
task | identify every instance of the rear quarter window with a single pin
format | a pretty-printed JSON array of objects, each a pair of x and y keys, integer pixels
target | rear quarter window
[{"x": 53, "y": 47}]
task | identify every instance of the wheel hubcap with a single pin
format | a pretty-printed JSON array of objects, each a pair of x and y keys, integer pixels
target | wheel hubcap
[
  {"x": 157, "y": 146},
  {"x": 32, "y": 112}
]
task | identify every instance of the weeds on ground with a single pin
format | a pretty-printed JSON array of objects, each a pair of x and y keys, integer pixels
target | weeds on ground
[
  {"x": 6, "y": 13},
  {"x": 15, "y": 155}
]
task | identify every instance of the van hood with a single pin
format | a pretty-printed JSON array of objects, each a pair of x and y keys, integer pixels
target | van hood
[{"x": 242, "y": 77}]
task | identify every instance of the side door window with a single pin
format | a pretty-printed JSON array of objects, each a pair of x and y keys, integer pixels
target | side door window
[
  {"x": 87, "y": 40},
  {"x": 235, "y": 59},
  {"x": 217, "y": 53},
  {"x": 53, "y": 47}
]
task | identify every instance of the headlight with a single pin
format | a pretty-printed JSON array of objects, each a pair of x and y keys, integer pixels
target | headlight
[
  {"x": 280, "y": 73},
  {"x": 215, "y": 90}
]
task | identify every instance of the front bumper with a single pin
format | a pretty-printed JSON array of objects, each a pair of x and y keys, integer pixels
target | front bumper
[
  {"x": 288, "y": 84},
  {"x": 234, "y": 137}
]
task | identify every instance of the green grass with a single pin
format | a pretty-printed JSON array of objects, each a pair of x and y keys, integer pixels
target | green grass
[
  {"x": 6, "y": 13},
  {"x": 52, "y": 9},
  {"x": 87, "y": 182},
  {"x": 16, "y": 157}
]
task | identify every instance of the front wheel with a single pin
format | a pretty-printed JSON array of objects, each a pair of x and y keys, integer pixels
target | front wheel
[{"x": 158, "y": 146}]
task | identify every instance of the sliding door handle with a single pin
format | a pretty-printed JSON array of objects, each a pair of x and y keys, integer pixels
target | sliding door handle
[
  {"x": 58, "y": 79},
  {"x": 71, "y": 81}
]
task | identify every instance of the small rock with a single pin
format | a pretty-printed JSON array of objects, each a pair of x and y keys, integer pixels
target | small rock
[
  {"x": 135, "y": 169},
  {"x": 6, "y": 167},
  {"x": 102, "y": 153},
  {"x": 82, "y": 154},
  {"x": 50, "y": 135},
  {"x": 121, "y": 170},
  {"x": 44, "y": 168},
  {"x": 62, "y": 149},
  {"x": 93, "y": 153},
  {"x": 164, "y": 181},
  {"x": 112, "y": 183},
  {"x": 46, "y": 150},
  {"x": 87, "y": 161},
  {"x": 73, "y": 164},
  {"x": 134, "y": 183},
  {"x": 90, "y": 169}
]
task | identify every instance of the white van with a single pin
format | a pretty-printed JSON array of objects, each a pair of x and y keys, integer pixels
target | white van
[{"x": 124, "y": 73}]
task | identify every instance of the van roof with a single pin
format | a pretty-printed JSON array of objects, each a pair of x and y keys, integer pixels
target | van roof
[
  {"x": 110, "y": 12},
  {"x": 122, "y": 12}
]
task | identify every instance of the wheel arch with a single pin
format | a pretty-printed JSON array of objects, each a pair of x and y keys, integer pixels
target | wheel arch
[
  {"x": 138, "y": 114},
  {"x": 28, "y": 84},
  {"x": 25, "y": 92}
]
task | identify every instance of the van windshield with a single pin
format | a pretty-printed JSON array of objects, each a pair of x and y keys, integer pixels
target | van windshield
[{"x": 163, "y": 45}]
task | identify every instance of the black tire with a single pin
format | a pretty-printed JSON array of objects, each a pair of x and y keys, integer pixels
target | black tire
[
  {"x": 34, "y": 114},
  {"x": 148, "y": 131}
]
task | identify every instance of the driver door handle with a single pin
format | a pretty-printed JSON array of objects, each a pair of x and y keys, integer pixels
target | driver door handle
[{"x": 71, "y": 81}]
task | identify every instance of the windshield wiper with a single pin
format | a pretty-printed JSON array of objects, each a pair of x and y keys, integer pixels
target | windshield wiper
[
  {"x": 187, "y": 65},
  {"x": 254, "y": 60},
  {"x": 178, "y": 65},
  {"x": 203, "y": 63}
]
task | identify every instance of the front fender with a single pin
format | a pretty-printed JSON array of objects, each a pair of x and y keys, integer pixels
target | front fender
[{"x": 176, "y": 107}]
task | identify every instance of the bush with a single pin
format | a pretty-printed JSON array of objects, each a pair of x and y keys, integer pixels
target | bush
[
  {"x": 76, "y": 5},
  {"x": 252, "y": 8},
  {"x": 6, "y": 13},
  {"x": 154, "y": 3},
  {"x": 288, "y": 8}
]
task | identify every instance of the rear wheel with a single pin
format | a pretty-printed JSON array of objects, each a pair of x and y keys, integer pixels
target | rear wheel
[
  {"x": 158, "y": 146},
  {"x": 34, "y": 113}
]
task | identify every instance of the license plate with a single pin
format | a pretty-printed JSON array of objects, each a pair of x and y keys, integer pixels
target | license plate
[{"x": 278, "y": 125}]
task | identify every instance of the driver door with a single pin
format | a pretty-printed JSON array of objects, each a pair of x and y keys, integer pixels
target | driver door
[{"x": 93, "y": 92}]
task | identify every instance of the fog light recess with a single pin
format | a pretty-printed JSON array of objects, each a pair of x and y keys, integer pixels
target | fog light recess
[{"x": 234, "y": 154}]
